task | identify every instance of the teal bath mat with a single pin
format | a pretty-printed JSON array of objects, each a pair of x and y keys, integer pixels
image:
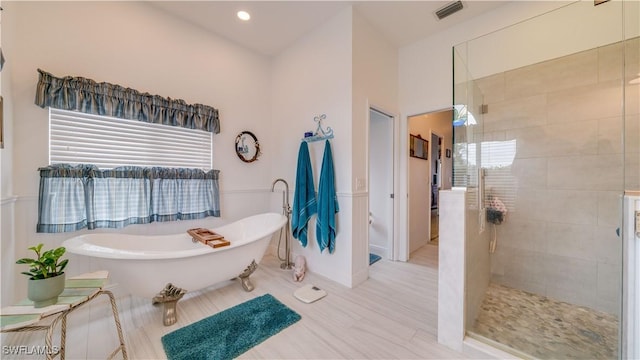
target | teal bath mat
[
  {"x": 373, "y": 258},
  {"x": 231, "y": 332}
]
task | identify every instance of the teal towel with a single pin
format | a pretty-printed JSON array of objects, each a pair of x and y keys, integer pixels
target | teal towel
[
  {"x": 304, "y": 196},
  {"x": 327, "y": 203}
]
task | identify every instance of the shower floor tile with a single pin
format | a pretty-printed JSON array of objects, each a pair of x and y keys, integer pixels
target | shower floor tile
[{"x": 545, "y": 328}]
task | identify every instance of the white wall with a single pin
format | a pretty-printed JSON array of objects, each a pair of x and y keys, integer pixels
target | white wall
[
  {"x": 7, "y": 202},
  {"x": 426, "y": 74},
  {"x": 310, "y": 78},
  {"x": 6, "y": 152},
  {"x": 577, "y": 27},
  {"x": 138, "y": 46},
  {"x": 135, "y": 45},
  {"x": 339, "y": 70},
  {"x": 375, "y": 84},
  {"x": 451, "y": 268}
]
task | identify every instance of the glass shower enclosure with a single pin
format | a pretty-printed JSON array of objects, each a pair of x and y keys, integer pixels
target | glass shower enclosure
[{"x": 546, "y": 134}]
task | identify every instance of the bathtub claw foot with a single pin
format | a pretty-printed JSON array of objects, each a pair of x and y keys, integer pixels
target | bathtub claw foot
[
  {"x": 247, "y": 285},
  {"x": 170, "y": 313},
  {"x": 169, "y": 297}
]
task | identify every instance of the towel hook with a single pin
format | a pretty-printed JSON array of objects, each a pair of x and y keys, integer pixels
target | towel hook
[{"x": 320, "y": 133}]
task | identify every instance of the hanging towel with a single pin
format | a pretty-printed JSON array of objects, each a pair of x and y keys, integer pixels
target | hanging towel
[
  {"x": 327, "y": 203},
  {"x": 304, "y": 197}
]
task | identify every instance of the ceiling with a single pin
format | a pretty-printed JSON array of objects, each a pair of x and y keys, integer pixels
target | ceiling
[{"x": 275, "y": 25}]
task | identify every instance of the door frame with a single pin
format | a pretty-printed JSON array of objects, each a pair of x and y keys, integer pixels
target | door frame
[
  {"x": 402, "y": 246},
  {"x": 431, "y": 173},
  {"x": 392, "y": 243},
  {"x": 434, "y": 158}
]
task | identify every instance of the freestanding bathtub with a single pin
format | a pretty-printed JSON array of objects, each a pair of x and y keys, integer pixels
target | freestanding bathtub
[{"x": 144, "y": 264}]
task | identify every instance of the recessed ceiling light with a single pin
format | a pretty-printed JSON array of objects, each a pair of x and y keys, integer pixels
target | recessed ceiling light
[{"x": 243, "y": 15}]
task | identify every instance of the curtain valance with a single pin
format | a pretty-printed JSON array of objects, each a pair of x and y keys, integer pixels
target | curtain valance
[
  {"x": 73, "y": 197},
  {"x": 87, "y": 96}
]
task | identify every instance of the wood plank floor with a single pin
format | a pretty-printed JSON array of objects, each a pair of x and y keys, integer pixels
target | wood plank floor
[
  {"x": 392, "y": 315},
  {"x": 426, "y": 255}
]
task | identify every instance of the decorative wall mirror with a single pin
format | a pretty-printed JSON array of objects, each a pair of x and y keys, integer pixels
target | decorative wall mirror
[
  {"x": 247, "y": 146},
  {"x": 418, "y": 147}
]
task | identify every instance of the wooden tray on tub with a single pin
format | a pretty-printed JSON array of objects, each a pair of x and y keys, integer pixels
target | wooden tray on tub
[{"x": 208, "y": 237}]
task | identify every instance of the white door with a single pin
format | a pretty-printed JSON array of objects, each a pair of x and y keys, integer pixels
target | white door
[{"x": 380, "y": 184}]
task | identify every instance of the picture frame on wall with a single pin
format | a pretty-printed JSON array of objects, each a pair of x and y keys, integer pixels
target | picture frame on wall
[{"x": 418, "y": 147}]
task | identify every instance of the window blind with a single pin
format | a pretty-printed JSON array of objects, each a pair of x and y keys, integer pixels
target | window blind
[
  {"x": 497, "y": 159},
  {"x": 108, "y": 142}
]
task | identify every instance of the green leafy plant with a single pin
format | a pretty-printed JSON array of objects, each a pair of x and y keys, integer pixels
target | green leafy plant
[{"x": 46, "y": 264}]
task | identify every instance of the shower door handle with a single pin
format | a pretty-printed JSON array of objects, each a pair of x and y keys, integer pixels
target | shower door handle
[{"x": 481, "y": 208}]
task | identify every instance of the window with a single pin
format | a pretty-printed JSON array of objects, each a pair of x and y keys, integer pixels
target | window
[
  {"x": 109, "y": 172},
  {"x": 79, "y": 138},
  {"x": 497, "y": 158}
]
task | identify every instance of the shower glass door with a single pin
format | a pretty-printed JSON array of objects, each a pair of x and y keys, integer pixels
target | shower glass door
[{"x": 538, "y": 136}]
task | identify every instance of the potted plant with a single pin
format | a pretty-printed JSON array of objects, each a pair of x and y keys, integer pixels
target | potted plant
[{"x": 46, "y": 275}]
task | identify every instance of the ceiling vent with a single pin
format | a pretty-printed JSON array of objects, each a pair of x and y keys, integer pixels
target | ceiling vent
[{"x": 449, "y": 9}]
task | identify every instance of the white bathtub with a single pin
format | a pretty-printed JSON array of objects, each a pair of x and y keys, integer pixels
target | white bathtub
[{"x": 143, "y": 264}]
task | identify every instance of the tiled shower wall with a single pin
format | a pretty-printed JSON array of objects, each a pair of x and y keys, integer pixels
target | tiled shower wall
[{"x": 566, "y": 116}]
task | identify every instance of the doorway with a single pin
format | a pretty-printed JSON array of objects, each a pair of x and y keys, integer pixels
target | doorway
[
  {"x": 381, "y": 184},
  {"x": 426, "y": 177},
  {"x": 436, "y": 184}
]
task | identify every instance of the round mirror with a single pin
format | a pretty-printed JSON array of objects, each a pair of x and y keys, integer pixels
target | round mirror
[{"x": 247, "y": 146}]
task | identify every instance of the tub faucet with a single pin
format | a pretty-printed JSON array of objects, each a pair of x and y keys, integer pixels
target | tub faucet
[{"x": 286, "y": 211}]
